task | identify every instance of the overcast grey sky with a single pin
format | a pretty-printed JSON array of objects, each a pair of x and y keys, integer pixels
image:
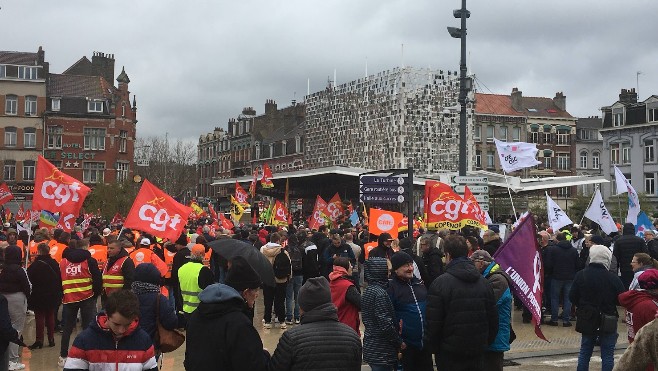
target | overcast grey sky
[{"x": 195, "y": 64}]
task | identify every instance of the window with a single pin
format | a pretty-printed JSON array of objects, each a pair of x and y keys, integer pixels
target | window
[
  {"x": 502, "y": 131},
  {"x": 122, "y": 171},
  {"x": 490, "y": 133},
  {"x": 596, "y": 160},
  {"x": 284, "y": 147},
  {"x": 11, "y": 105},
  {"x": 650, "y": 183},
  {"x": 564, "y": 192},
  {"x": 30, "y": 105},
  {"x": 547, "y": 163},
  {"x": 95, "y": 106},
  {"x": 92, "y": 172},
  {"x": 123, "y": 141},
  {"x": 516, "y": 134},
  {"x": 9, "y": 172},
  {"x": 477, "y": 133},
  {"x": 28, "y": 73},
  {"x": 28, "y": 170},
  {"x": 29, "y": 137},
  {"x": 54, "y": 134},
  {"x": 241, "y": 128},
  {"x": 617, "y": 117},
  {"x": 583, "y": 159},
  {"x": 3, "y": 71},
  {"x": 626, "y": 153},
  {"x": 563, "y": 161},
  {"x": 547, "y": 134},
  {"x": 478, "y": 159},
  {"x": 94, "y": 138},
  {"x": 614, "y": 153},
  {"x": 534, "y": 136},
  {"x": 10, "y": 136},
  {"x": 123, "y": 110},
  {"x": 257, "y": 146},
  {"x": 649, "y": 150},
  {"x": 585, "y": 134},
  {"x": 271, "y": 150},
  {"x": 298, "y": 144},
  {"x": 56, "y": 102},
  {"x": 652, "y": 114},
  {"x": 563, "y": 136},
  {"x": 490, "y": 160}
]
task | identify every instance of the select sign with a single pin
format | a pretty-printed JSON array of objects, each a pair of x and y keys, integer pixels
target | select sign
[
  {"x": 482, "y": 199},
  {"x": 470, "y": 179},
  {"x": 382, "y": 198},
  {"x": 393, "y": 190}
]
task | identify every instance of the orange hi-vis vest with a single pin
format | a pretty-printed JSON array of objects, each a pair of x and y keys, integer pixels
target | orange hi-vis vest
[
  {"x": 56, "y": 251},
  {"x": 77, "y": 282},
  {"x": 113, "y": 277},
  {"x": 169, "y": 260},
  {"x": 51, "y": 243},
  {"x": 33, "y": 252},
  {"x": 99, "y": 252},
  {"x": 206, "y": 258},
  {"x": 141, "y": 255}
]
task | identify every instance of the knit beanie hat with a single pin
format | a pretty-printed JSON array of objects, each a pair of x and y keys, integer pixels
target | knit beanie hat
[
  {"x": 314, "y": 293},
  {"x": 399, "y": 259},
  {"x": 406, "y": 243},
  {"x": 242, "y": 276},
  {"x": 601, "y": 255},
  {"x": 648, "y": 280},
  {"x": 147, "y": 272}
]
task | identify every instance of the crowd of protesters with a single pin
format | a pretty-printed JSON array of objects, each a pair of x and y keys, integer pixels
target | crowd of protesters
[{"x": 424, "y": 299}]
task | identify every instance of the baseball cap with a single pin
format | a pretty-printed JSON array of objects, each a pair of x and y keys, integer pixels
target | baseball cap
[
  {"x": 481, "y": 255},
  {"x": 106, "y": 232},
  {"x": 198, "y": 249},
  {"x": 7, "y": 225},
  {"x": 145, "y": 242}
]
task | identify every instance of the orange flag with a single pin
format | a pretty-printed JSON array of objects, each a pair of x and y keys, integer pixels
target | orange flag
[
  {"x": 383, "y": 221},
  {"x": 240, "y": 194}
]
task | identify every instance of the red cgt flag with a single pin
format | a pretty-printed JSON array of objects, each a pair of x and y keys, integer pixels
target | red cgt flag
[
  {"x": 240, "y": 194},
  {"x": 157, "y": 213},
  {"x": 226, "y": 223},
  {"x": 335, "y": 208},
  {"x": 117, "y": 219},
  {"x": 5, "y": 194},
  {"x": 266, "y": 180},
  {"x": 54, "y": 190},
  {"x": 20, "y": 214}
]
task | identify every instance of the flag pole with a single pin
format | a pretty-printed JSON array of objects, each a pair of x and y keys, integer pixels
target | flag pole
[
  {"x": 29, "y": 235},
  {"x": 510, "y": 196},
  {"x": 619, "y": 208},
  {"x": 596, "y": 187}
]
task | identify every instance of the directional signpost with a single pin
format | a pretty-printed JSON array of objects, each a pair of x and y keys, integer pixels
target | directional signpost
[
  {"x": 477, "y": 185},
  {"x": 383, "y": 189}
]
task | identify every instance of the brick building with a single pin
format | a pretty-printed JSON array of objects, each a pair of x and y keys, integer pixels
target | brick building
[
  {"x": 540, "y": 120},
  {"x": 23, "y": 78},
  {"x": 89, "y": 123},
  {"x": 214, "y": 157}
]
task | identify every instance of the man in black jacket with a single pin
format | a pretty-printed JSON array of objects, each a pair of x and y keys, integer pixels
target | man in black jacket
[
  {"x": 321, "y": 342},
  {"x": 625, "y": 247},
  {"x": 562, "y": 261},
  {"x": 462, "y": 318},
  {"x": 220, "y": 333},
  {"x": 432, "y": 259}
]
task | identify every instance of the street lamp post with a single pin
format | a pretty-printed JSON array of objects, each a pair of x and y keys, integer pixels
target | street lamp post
[{"x": 464, "y": 83}]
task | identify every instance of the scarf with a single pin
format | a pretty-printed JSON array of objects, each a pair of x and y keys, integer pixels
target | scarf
[{"x": 139, "y": 287}]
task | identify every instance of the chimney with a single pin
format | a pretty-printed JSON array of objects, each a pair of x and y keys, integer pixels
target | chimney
[
  {"x": 517, "y": 99},
  {"x": 628, "y": 96},
  {"x": 560, "y": 101},
  {"x": 270, "y": 106},
  {"x": 249, "y": 111},
  {"x": 103, "y": 65}
]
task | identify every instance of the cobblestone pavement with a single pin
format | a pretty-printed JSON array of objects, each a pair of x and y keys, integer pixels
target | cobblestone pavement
[{"x": 528, "y": 350}]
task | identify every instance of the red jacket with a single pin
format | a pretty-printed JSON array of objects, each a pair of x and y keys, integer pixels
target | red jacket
[
  {"x": 347, "y": 312},
  {"x": 640, "y": 310}
]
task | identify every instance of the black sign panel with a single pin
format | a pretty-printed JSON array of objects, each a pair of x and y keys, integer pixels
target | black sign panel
[{"x": 382, "y": 198}]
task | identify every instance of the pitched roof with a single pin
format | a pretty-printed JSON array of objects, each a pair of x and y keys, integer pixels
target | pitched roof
[
  {"x": 94, "y": 87},
  {"x": 20, "y": 58},
  {"x": 589, "y": 122},
  {"x": 83, "y": 62},
  {"x": 496, "y": 104},
  {"x": 281, "y": 133}
]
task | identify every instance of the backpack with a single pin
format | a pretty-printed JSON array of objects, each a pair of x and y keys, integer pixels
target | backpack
[
  {"x": 295, "y": 253},
  {"x": 281, "y": 265}
]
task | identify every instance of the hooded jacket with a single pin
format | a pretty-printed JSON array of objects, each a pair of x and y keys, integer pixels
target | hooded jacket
[
  {"x": 148, "y": 273},
  {"x": 13, "y": 278},
  {"x": 96, "y": 349},
  {"x": 46, "y": 283},
  {"x": 625, "y": 247},
  {"x": 345, "y": 297},
  {"x": 381, "y": 339},
  {"x": 409, "y": 300},
  {"x": 220, "y": 334},
  {"x": 433, "y": 261},
  {"x": 461, "y": 311},
  {"x": 641, "y": 308},
  {"x": 300, "y": 348},
  {"x": 271, "y": 250},
  {"x": 502, "y": 294}
]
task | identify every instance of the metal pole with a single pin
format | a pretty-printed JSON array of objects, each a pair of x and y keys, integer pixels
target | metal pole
[
  {"x": 462, "y": 94},
  {"x": 410, "y": 203}
]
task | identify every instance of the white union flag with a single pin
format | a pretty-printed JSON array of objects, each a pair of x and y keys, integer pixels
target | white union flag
[
  {"x": 598, "y": 213},
  {"x": 516, "y": 155},
  {"x": 556, "y": 217}
]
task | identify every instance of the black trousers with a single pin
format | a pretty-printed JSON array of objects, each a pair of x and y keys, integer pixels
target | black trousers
[
  {"x": 458, "y": 362},
  {"x": 277, "y": 296},
  {"x": 414, "y": 359},
  {"x": 493, "y": 361}
]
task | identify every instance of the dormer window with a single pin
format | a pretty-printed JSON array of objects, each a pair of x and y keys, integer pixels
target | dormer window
[
  {"x": 652, "y": 114},
  {"x": 95, "y": 106},
  {"x": 56, "y": 103},
  {"x": 28, "y": 73},
  {"x": 298, "y": 144},
  {"x": 284, "y": 147},
  {"x": 271, "y": 150},
  {"x": 617, "y": 117}
]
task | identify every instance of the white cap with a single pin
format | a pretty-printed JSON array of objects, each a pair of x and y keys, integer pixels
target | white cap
[
  {"x": 145, "y": 241},
  {"x": 7, "y": 225},
  {"x": 106, "y": 232}
]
